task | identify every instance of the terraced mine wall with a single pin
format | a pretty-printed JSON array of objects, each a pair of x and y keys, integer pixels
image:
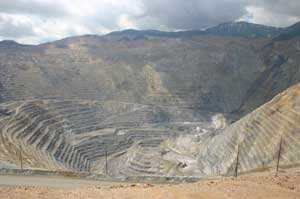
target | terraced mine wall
[
  {"x": 258, "y": 136},
  {"x": 76, "y": 135}
]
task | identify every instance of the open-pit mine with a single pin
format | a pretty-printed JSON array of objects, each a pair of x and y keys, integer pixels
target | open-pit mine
[{"x": 150, "y": 103}]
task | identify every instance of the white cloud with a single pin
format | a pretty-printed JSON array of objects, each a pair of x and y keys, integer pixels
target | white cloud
[
  {"x": 75, "y": 17},
  {"x": 264, "y": 16},
  {"x": 15, "y": 25}
]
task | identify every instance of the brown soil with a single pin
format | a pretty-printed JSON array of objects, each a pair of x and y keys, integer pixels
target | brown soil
[{"x": 263, "y": 186}]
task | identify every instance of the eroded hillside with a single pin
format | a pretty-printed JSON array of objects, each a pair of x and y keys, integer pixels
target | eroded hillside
[{"x": 216, "y": 74}]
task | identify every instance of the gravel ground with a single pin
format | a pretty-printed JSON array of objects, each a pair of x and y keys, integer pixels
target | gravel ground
[{"x": 263, "y": 186}]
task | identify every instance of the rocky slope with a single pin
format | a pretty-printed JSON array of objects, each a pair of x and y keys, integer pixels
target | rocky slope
[
  {"x": 215, "y": 73},
  {"x": 258, "y": 136}
]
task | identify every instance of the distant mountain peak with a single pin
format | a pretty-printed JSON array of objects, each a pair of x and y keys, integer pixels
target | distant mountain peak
[
  {"x": 244, "y": 29},
  {"x": 8, "y": 42},
  {"x": 289, "y": 32}
]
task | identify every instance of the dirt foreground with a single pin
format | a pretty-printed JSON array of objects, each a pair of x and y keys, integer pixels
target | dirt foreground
[{"x": 265, "y": 186}]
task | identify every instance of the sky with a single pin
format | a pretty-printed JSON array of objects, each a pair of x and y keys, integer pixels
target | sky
[{"x": 39, "y": 21}]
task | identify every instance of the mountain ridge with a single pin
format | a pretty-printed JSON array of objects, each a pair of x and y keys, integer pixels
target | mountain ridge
[
  {"x": 240, "y": 28},
  {"x": 234, "y": 29}
]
